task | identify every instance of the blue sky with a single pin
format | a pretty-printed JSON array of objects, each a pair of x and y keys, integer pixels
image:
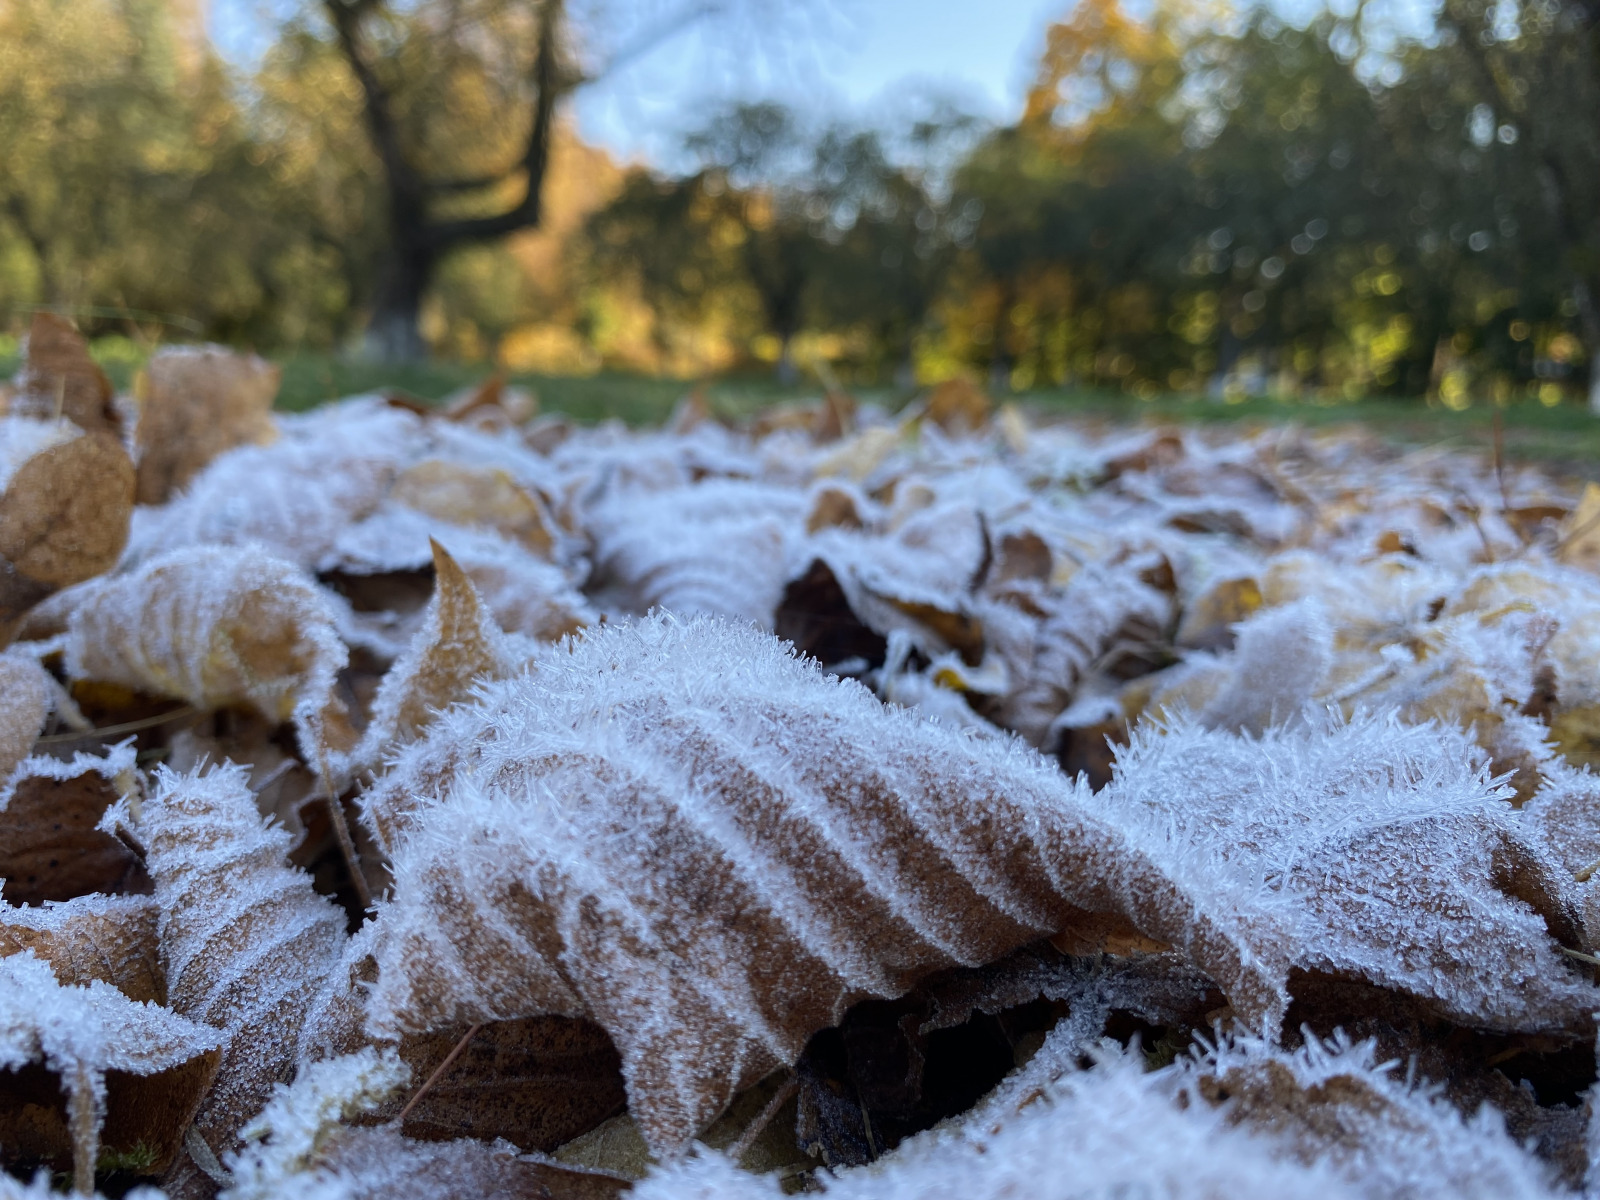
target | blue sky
[
  {"x": 851, "y": 58},
  {"x": 860, "y": 58}
]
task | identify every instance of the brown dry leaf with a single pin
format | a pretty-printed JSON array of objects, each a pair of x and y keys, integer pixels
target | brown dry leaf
[
  {"x": 1578, "y": 541},
  {"x": 59, "y": 379},
  {"x": 719, "y": 546},
  {"x": 302, "y": 1144},
  {"x": 1332, "y": 1102},
  {"x": 1209, "y": 618},
  {"x": 709, "y": 848},
  {"x": 538, "y": 1082},
  {"x": 836, "y": 418},
  {"x": 248, "y": 944},
  {"x": 64, "y": 515},
  {"x": 1381, "y": 850},
  {"x": 458, "y": 645},
  {"x": 1022, "y": 555},
  {"x": 51, "y": 846},
  {"x": 87, "y": 1036},
  {"x": 380, "y": 1164},
  {"x": 198, "y": 402},
  {"x": 214, "y": 625},
  {"x": 959, "y": 406},
  {"x": 859, "y": 456},
  {"x": 477, "y": 496},
  {"x": 109, "y": 938},
  {"x": 834, "y": 507},
  {"x": 24, "y": 708}
]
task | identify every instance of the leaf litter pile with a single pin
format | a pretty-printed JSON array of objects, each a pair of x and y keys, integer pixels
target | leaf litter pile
[{"x": 460, "y": 803}]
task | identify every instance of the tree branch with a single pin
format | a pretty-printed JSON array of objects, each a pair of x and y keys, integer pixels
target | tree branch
[
  {"x": 347, "y": 17},
  {"x": 550, "y": 86}
]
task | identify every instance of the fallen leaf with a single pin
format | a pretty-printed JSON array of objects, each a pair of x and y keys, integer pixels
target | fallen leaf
[
  {"x": 538, "y": 1082},
  {"x": 459, "y": 645},
  {"x": 51, "y": 844},
  {"x": 198, "y": 402},
  {"x": 720, "y": 546},
  {"x": 93, "y": 937},
  {"x": 24, "y": 708},
  {"x": 82, "y": 1034},
  {"x": 59, "y": 379},
  {"x": 64, "y": 511},
  {"x": 958, "y": 406},
  {"x": 691, "y": 752},
  {"x": 248, "y": 943},
  {"x": 474, "y": 496},
  {"x": 214, "y": 625}
]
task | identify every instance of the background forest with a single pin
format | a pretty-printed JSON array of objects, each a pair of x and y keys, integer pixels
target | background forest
[{"x": 1197, "y": 199}]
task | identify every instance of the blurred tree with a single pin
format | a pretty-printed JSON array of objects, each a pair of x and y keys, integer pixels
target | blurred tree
[
  {"x": 458, "y": 101},
  {"x": 1533, "y": 71}
]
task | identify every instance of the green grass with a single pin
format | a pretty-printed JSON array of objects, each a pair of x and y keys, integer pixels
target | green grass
[{"x": 1565, "y": 437}]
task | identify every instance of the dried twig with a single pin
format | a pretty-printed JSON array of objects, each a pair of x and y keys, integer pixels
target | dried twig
[
  {"x": 439, "y": 1071},
  {"x": 763, "y": 1118}
]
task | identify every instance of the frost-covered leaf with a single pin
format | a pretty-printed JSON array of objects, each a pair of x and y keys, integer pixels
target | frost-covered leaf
[
  {"x": 81, "y": 1034},
  {"x": 1388, "y": 1134},
  {"x": 213, "y": 625},
  {"x": 473, "y": 496},
  {"x": 326, "y": 470},
  {"x": 296, "y": 1121},
  {"x": 1108, "y": 1132},
  {"x": 1382, "y": 850},
  {"x": 248, "y": 944},
  {"x": 525, "y": 593},
  {"x": 65, "y": 500},
  {"x": 718, "y": 547},
  {"x": 710, "y": 848},
  {"x": 298, "y": 1149},
  {"x": 109, "y": 938},
  {"x": 198, "y": 402},
  {"x": 53, "y": 845},
  {"x": 24, "y": 707},
  {"x": 459, "y": 645}
]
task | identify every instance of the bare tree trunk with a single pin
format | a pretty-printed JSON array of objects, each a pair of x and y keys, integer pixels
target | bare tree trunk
[
  {"x": 1589, "y": 327},
  {"x": 394, "y": 332},
  {"x": 788, "y": 373},
  {"x": 418, "y": 239}
]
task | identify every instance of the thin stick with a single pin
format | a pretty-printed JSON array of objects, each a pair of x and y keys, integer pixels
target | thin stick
[
  {"x": 341, "y": 833},
  {"x": 763, "y": 1119},
  {"x": 1500, "y": 461},
  {"x": 107, "y": 731},
  {"x": 439, "y": 1070},
  {"x": 1580, "y": 956}
]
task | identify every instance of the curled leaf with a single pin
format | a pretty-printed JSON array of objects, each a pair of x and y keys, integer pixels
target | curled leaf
[
  {"x": 710, "y": 848},
  {"x": 457, "y": 646},
  {"x": 199, "y": 401},
  {"x": 65, "y": 502},
  {"x": 248, "y": 943},
  {"x": 24, "y": 707},
  {"x": 82, "y": 1034},
  {"x": 59, "y": 379},
  {"x": 212, "y": 625}
]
